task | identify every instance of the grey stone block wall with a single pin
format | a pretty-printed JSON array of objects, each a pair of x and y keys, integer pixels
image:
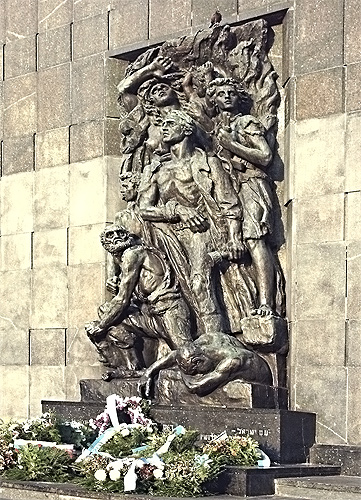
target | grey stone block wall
[{"x": 59, "y": 163}]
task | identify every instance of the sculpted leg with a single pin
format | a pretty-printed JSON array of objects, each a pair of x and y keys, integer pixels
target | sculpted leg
[{"x": 263, "y": 262}]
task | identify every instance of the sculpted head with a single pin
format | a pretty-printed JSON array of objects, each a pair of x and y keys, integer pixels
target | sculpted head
[
  {"x": 157, "y": 93},
  {"x": 115, "y": 239},
  {"x": 176, "y": 126},
  {"x": 226, "y": 94},
  {"x": 192, "y": 360},
  {"x": 128, "y": 185}
]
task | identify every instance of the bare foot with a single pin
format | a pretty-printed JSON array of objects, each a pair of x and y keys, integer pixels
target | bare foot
[{"x": 263, "y": 310}]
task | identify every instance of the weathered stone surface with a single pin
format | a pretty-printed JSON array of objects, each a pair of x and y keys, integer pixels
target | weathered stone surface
[
  {"x": 87, "y": 102},
  {"x": 114, "y": 72},
  {"x": 348, "y": 457},
  {"x": 51, "y": 198},
  {"x": 20, "y": 101},
  {"x": 54, "y": 46},
  {"x": 14, "y": 346},
  {"x": 54, "y": 97},
  {"x": 73, "y": 375},
  {"x": 203, "y": 10},
  {"x": 2, "y": 22},
  {"x": 353, "y": 221},
  {"x": 14, "y": 311},
  {"x": 20, "y": 57},
  {"x": 321, "y": 281},
  {"x": 16, "y": 206},
  {"x": 353, "y": 406},
  {"x": 353, "y": 83},
  {"x": 90, "y": 36},
  {"x": 319, "y": 93},
  {"x": 111, "y": 137},
  {"x": 113, "y": 203},
  {"x": 86, "y": 289},
  {"x": 84, "y": 244},
  {"x": 14, "y": 391},
  {"x": 320, "y": 156},
  {"x": 353, "y": 152},
  {"x": 128, "y": 23},
  {"x": 352, "y": 31},
  {"x": 45, "y": 382},
  {"x": 47, "y": 347},
  {"x": 15, "y": 251},
  {"x": 318, "y": 39},
  {"x": 87, "y": 193},
  {"x": 1, "y": 105},
  {"x": 52, "y": 14},
  {"x": 52, "y": 148},
  {"x": 87, "y": 8},
  {"x": 176, "y": 17},
  {"x": 49, "y": 304},
  {"x": 353, "y": 342},
  {"x": 21, "y": 18},
  {"x": 50, "y": 248},
  {"x": 353, "y": 280},
  {"x": 323, "y": 389},
  {"x": 320, "y": 218},
  {"x": 287, "y": 50},
  {"x": 86, "y": 141},
  {"x": 310, "y": 338},
  {"x": 18, "y": 154},
  {"x": 80, "y": 353},
  {"x": 264, "y": 332}
]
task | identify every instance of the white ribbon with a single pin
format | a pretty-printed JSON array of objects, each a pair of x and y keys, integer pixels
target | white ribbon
[{"x": 111, "y": 407}]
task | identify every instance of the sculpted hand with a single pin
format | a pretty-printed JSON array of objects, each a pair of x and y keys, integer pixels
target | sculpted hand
[
  {"x": 235, "y": 249},
  {"x": 144, "y": 385},
  {"x": 196, "y": 222},
  {"x": 224, "y": 138},
  {"x": 93, "y": 329},
  {"x": 161, "y": 65}
]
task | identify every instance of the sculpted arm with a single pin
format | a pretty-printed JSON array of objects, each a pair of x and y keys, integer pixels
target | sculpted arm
[
  {"x": 145, "y": 383},
  {"x": 156, "y": 68}
]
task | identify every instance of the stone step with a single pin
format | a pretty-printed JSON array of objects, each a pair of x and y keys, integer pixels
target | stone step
[{"x": 320, "y": 488}]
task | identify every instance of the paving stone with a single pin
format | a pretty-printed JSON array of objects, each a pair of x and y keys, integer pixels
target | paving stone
[
  {"x": 20, "y": 101},
  {"x": 54, "y": 46},
  {"x": 16, "y": 206},
  {"x": 176, "y": 17},
  {"x": 86, "y": 141},
  {"x": 90, "y": 36},
  {"x": 20, "y": 57},
  {"x": 353, "y": 83},
  {"x": 54, "y": 97},
  {"x": 51, "y": 198},
  {"x": 18, "y": 154},
  {"x": 52, "y": 148},
  {"x": 88, "y": 89},
  {"x": 53, "y": 14},
  {"x": 128, "y": 23},
  {"x": 15, "y": 251},
  {"x": 47, "y": 347},
  {"x": 50, "y": 248}
]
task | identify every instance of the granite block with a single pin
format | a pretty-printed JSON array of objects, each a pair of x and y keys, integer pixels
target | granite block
[
  {"x": 45, "y": 382},
  {"x": 353, "y": 152},
  {"x": 49, "y": 304},
  {"x": 112, "y": 137},
  {"x": 50, "y": 248},
  {"x": 321, "y": 281},
  {"x": 54, "y": 46},
  {"x": 53, "y": 14},
  {"x": 47, "y": 347},
  {"x": 81, "y": 356},
  {"x": 86, "y": 293},
  {"x": 84, "y": 244},
  {"x": 14, "y": 391},
  {"x": 318, "y": 38},
  {"x": 323, "y": 389},
  {"x": 353, "y": 221},
  {"x": 113, "y": 203},
  {"x": 310, "y": 338},
  {"x": 353, "y": 280},
  {"x": 352, "y": 31},
  {"x": 320, "y": 93},
  {"x": 87, "y": 192},
  {"x": 2, "y": 22},
  {"x": 52, "y": 148},
  {"x": 20, "y": 101},
  {"x": 320, "y": 219},
  {"x": 14, "y": 311},
  {"x": 288, "y": 26},
  {"x": 203, "y": 10},
  {"x": 276, "y": 51},
  {"x": 15, "y": 251},
  {"x": 176, "y": 17},
  {"x": 128, "y": 23},
  {"x": 90, "y": 36},
  {"x": 74, "y": 373},
  {"x": 88, "y": 8},
  {"x": 21, "y": 19},
  {"x": 320, "y": 156},
  {"x": 114, "y": 72},
  {"x": 16, "y": 206},
  {"x": 54, "y": 97},
  {"x": 20, "y": 57},
  {"x": 51, "y": 198},
  {"x": 87, "y": 102},
  {"x": 347, "y": 457},
  {"x": 86, "y": 141},
  {"x": 353, "y": 83},
  {"x": 14, "y": 346},
  {"x": 353, "y": 405},
  {"x": 1, "y": 105},
  {"x": 18, "y": 154},
  {"x": 353, "y": 343}
]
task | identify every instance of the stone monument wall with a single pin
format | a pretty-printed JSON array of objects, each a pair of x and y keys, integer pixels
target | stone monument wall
[{"x": 60, "y": 64}]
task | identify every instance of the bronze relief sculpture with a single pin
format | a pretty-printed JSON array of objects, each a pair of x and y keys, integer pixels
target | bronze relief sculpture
[{"x": 192, "y": 266}]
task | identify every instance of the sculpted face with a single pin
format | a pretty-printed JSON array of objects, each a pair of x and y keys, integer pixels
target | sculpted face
[
  {"x": 226, "y": 98},
  {"x": 192, "y": 361},
  {"x": 173, "y": 131},
  {"x": 116, "y": 239},
  {"x": 162, "y": 94}
]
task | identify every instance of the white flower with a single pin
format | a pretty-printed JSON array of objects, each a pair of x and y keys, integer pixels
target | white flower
[
  {"x": 138, "y": 463},
  {"x": 150, "y": 429},
  {"x": 116, "y": 465},
  {"x": 114, "y": 474},
  {"x": 125, "y": 432},
  {"x": 158, "y": 473},
  {"x": 100, "y": 475}
]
